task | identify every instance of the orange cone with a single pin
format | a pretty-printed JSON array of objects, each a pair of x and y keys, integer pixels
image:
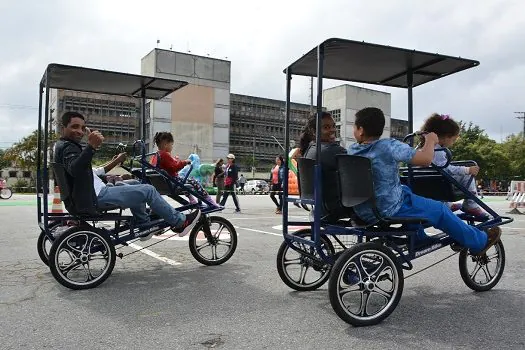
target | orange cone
[{"x": 57, "y": 206}]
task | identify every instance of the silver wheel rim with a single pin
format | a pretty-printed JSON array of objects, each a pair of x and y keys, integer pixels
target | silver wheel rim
[
  {"x": 301, "y": 270},
  {"x": 367, "y": 284},
  {"x": 83, "y": 258},
  {"x": 218, "y": 246},
  {"x": 484, "y": 270}
]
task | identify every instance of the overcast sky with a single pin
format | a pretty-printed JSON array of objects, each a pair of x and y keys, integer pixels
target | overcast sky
[{"x": 261, "y": 38}]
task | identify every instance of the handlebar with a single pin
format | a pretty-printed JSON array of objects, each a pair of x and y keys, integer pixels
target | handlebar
[{"x": 448, "y": 154}]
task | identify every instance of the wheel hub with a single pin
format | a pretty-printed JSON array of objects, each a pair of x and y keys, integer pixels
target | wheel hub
[
  {"x": 84, "y": 258},
  {"x": 369, "y": 285}
]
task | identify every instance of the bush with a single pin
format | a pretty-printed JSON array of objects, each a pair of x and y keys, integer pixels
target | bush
[{"x": 21, "y": 186}]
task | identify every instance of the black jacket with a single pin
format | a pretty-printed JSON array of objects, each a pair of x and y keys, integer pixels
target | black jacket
[{"x": 76, "y": 162}]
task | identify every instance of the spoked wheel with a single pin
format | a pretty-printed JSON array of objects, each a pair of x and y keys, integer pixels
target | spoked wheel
[
  {"x": 481, "y": 273},
  {"x": 299, "y": 271},
  {"x": 213, "y": 240},
  {"x": 82, "y": 258},
  {"x": 43, "y": 245},
  {"x": 6, "y": 193},
  {"x": 366, "y": 284}
]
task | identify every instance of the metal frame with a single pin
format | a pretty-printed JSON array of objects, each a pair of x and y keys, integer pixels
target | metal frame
[
  {"x": 360, "y": 233},
  {"x": 120, "y": 84}
]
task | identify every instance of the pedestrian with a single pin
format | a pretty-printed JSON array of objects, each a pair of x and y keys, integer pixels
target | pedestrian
[
  {"x": 242, "y": 182},
  {"x": 218, "y": 178},
  {"x": 276, "y": 180},
  {"x": 231, "y": 175}
]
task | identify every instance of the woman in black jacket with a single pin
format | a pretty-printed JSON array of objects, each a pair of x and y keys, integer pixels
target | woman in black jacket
[{"x": 231, "y": 172}]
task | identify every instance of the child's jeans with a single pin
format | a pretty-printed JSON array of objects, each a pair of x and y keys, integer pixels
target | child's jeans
[
  {"x": 463, "y": 180},
  {"x": 443, "y": 219}
]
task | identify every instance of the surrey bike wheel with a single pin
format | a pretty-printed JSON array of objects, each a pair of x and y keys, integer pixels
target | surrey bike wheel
[
  {"x": 5, "y": 193},
  {"x": 43, "y": 244},
  {"x": 482, "y": 273},
  {"x": 213, "y": 240},
  {"x": 82, "y": 257},
  {"x": 301, "y": 272},
  {"x": 366, "y": 284}
]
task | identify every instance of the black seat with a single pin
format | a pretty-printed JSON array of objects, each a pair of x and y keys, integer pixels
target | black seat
[
  {"x": 158, "y": 179},
  {"x": 330, "y": 213},
  {"x": 305, "y": 168},
  {"x": 429, "y": 183},
  {"x": 67, "y": 196},
  {"x": 356, "y": 183}
]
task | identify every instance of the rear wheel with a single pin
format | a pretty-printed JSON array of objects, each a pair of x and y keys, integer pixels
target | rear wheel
[
  {"x": 482, "y": 273},
  {"x": 6, "y": 193},
  {"x": 43, "y": 245},
  {"x": 82, "y": 257},
  {"x": 366, "y": 284},
  {"x": 299, "y": 271},
  {"x": 213, "y": 240}
]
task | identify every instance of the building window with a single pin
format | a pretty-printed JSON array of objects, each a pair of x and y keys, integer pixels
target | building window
[
  {"x": 26, "y": 174},
  {"x": 336, "y": 114},
  {"x": 13, "y": 173}
]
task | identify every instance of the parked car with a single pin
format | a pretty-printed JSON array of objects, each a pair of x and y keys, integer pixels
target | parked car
[{"x": 256, "y": 186}]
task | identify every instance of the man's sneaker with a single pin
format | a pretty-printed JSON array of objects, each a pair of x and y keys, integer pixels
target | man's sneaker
[
  {"x": 237, "y": 210},
  {"x": 191, "y": 219},
  {"x": 493, "y": 236}
]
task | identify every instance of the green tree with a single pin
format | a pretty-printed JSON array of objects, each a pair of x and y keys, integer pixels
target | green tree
[
  {"x": 4, "y": 162},
  {"x": 23, "y": 154},
  {"x": 514, "y": 148}
]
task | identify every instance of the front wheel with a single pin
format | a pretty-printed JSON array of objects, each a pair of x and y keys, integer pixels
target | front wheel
[
  {"x": 6, "y": 193},
  {"x": 213, "y": 240},
  {"x": 482, "y": 273},
  {"x": 366, "y": 284},
  {"x": 43, "y": 244},
  {"x": 82, "y": 257}
]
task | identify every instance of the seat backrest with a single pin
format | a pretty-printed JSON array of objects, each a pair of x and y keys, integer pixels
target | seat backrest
[
  {"x": 159, "y": 182},
  {"x": 429, "y": 183},
  {"x": 62, "y": 182},
  {"x": 305, "y": 168},
  {"x": 355, "y": 180}
]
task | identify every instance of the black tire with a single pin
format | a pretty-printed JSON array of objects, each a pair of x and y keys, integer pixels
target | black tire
[
  {"x": 496, "y": 255},
  {"x": 213, "y": 241},
  {"x": 80, "y": 244},
  {"x": 5, "y": 193},
  {"x": 320, "y": 267},
  {"x": 43, "y": 242},
  {"x": 361, "y": 269}
]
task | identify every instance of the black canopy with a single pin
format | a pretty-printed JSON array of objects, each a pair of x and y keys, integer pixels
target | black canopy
[
  {"x": 378, "y": 64},
  {"x": 107, "y": 82}
]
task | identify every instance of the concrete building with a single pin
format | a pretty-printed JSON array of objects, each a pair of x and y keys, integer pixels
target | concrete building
[
  {"x": 398, "y": 128},
  {"x": 344, "y": 101},
  {"x": 257, "y": 128},
  {"x": 198, "y": 115},
  {"x": 116, "y": 117}
]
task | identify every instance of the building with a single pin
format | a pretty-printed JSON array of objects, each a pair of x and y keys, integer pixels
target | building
[
  {"x": 116, "y": 117},
  {"x": 198, "y": 115},
  {"x": 344, "y": 101},
  {"x": 398, "y": 128},
  {"x": 257, "y": 128}
]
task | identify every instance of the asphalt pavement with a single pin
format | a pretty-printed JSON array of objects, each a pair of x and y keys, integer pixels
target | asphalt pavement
[{"x": 167, "y": 300}]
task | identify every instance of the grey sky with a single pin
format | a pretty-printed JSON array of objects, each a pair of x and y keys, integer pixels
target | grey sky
[{"x": 261, "y": 39}]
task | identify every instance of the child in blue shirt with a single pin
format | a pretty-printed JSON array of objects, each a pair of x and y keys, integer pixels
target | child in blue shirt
[{"x": 393, "y": 199}]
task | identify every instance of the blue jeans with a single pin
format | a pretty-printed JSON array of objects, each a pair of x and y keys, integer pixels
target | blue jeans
[
  {"x": 135, "y": 198},
  {"x": 443, "y": 219}
]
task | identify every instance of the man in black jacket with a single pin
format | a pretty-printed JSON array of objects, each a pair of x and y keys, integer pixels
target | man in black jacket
[{"x": 88, "y": 191}]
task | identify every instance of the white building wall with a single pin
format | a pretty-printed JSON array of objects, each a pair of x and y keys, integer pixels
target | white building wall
[{"x": 349, "y": 99}]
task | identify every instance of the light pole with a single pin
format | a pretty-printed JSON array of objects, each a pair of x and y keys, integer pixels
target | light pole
[
  {"x": 253, "y": 159},
  {"x": 522, "y": 116}
]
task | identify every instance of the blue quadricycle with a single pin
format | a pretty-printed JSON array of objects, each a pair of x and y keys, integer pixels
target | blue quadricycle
[
  {"x": 362, "y": 263},
  {"x": 81, "y": 247}
]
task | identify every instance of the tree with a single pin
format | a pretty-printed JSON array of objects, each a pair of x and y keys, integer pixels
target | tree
[
  {"x": 4, "y": 162},
  {"x": 23, "y": 154}
]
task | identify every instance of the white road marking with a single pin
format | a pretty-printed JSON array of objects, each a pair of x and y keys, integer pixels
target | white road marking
[
  {"x": 154, "y": 255},
  {"x": 259, "y": 231}
]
